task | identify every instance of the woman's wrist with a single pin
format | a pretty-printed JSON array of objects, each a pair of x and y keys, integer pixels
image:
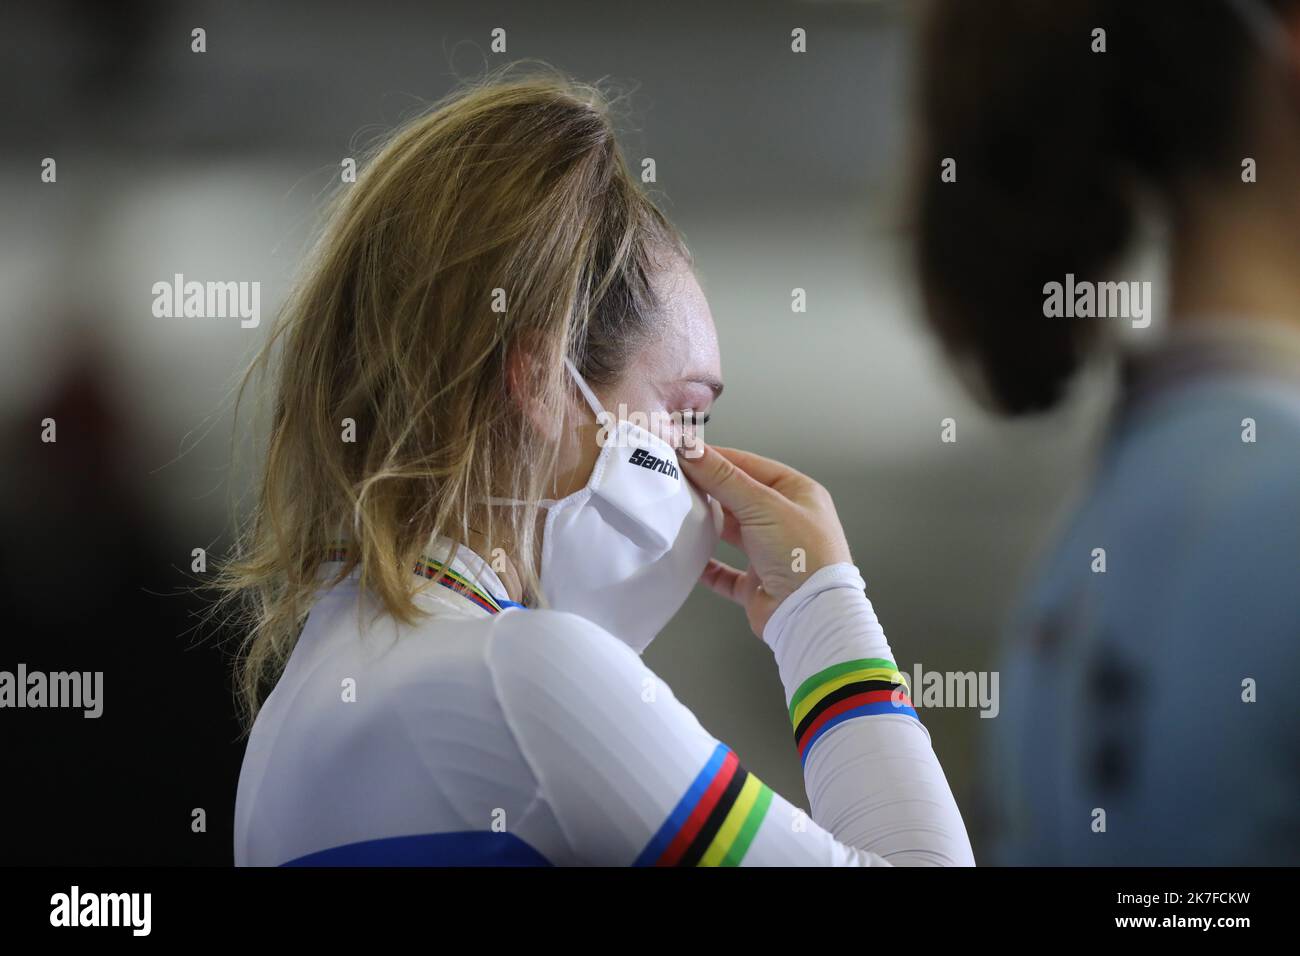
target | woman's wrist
[{"x": 843, "y": 574}]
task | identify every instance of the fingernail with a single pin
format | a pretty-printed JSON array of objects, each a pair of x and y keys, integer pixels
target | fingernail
[{"x": 693, "y": 453}]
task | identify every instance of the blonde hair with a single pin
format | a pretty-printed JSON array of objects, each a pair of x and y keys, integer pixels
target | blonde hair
[{"x": 511, "y": 187}]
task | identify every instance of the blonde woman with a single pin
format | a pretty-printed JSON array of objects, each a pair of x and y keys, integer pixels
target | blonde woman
[{"x": 448, "y": 610}]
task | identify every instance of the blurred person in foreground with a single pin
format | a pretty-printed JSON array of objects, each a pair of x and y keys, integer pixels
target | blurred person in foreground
[{"x": 1148, "y": 713}]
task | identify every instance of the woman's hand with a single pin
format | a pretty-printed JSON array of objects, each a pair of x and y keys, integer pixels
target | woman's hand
[{"x": 772, "y": 512}]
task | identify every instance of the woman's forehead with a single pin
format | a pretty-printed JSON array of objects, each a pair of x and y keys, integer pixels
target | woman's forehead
[{"x": 688, "y": 348}]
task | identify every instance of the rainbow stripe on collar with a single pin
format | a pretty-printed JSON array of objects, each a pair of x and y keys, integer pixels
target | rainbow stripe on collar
[
  {"x": 437, "y": 571},
  {"x": 860, "y": 688}
]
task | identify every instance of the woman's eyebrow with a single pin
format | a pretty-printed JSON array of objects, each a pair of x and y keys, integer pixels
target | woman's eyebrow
[{"x": 710, "y": 383}]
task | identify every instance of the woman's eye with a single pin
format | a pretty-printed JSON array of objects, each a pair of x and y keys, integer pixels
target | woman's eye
[
  {"x": 690, "y": 424},
  {"x": 692, "y": 418},
  {"x": 690, "y": 421}
]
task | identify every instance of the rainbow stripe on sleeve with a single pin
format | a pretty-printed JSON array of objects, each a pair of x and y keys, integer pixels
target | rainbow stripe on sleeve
[
  {"x": 858, "y": 688},
  {"x": 716, "y": 820}
]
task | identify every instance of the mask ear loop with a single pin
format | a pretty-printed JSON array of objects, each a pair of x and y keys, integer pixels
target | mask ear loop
[{"x": 602, "y": 417}]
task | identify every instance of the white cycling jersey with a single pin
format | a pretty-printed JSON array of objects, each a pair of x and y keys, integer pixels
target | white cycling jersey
[{"x": 488, "y": 734}]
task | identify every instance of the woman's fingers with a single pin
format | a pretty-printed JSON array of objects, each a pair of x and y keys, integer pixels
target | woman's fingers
[
  {"x": 770, "y": 512},
  {"x": 731, "y": 530},
  {"x": 723, "y": 479},
  {"x": 765, "y": 470},
  {"x": 727, "y": 581}
]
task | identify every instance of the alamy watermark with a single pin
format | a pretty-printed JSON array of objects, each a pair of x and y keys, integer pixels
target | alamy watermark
[
  {"x": 686, "y": 429},
  {"x": 1101, "y": 300},
  {"x": 937, "y": 689},
  {"x": 75, "y": 908},
  {"x": 75, "y": 690},
  {"x": 208, "y": 300}
]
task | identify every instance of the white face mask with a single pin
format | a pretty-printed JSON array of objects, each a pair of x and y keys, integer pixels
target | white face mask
[{"x": 626, "y": 550}]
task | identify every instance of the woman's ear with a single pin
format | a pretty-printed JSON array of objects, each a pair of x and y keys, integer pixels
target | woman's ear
[{"x": 526, "y": 385}]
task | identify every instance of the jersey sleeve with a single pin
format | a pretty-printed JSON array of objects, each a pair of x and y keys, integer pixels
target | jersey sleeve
[{"x": 632, "y": 778}]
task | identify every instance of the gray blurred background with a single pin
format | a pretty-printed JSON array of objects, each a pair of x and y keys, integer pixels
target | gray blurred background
[{"x": 783, "y": 170}]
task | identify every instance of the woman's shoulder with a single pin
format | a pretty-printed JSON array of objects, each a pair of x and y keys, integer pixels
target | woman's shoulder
[
  {"x": 517, "y": 649},
  {"x": 541, "y": 641},
  {"x": 1236, "y": 423},
  {"x": 1207, "y": 460},
  {"x": 1191, "y": 522},
  {"x": 529, "y": 663}
]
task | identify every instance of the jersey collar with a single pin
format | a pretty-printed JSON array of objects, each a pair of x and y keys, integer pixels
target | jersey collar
[
  {"x": 471, "y": 576},
  {"x": 470, "y": 579},
  {"x": 1201, "y": 347}
]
